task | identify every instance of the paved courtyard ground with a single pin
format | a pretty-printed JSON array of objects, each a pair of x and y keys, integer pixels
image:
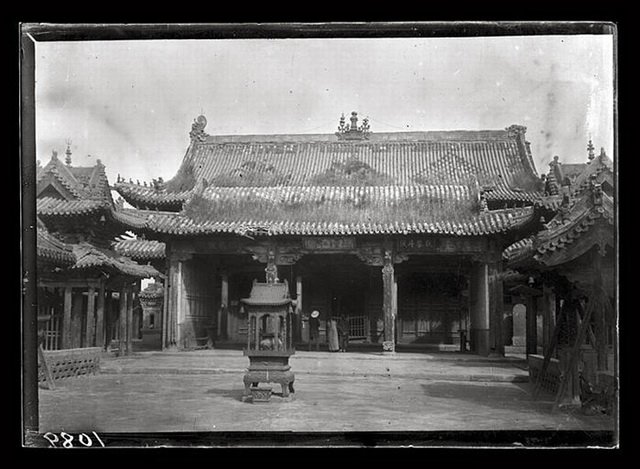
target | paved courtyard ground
[{"x": 410, "y": 394}]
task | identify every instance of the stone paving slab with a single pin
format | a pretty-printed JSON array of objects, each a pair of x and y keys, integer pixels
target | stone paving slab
[
  {"x": 451, "y": 366},
  {"x": 201, "y": 392}
]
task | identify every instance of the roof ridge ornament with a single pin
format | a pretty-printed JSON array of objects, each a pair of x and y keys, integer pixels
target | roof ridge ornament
[
  {"x": 353, "y": 131},
  {"x": 197, "y": 129},
  {"x": 515, "y": 130},
  {"x": 67, "y": 160},
  {"x": 590, "y": 151}
]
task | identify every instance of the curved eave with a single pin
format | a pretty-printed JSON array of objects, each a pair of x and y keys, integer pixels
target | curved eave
[
  {"x": 149, "y": 198},
  {"x": 48, "y": 207},
  {"x": 484, "y": 223}
]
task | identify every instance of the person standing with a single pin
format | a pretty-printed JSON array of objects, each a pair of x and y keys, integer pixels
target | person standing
[
  {"x": 343, "y": 332},
  {"x": 314, "y": 329},
  {"x": 332, "y": 334}
]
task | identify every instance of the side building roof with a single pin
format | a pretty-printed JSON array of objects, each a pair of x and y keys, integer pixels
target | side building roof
[{"x": 585, "y": 217}]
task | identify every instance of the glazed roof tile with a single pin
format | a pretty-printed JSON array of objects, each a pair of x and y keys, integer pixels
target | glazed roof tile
[{"x": 140, "y": 249}]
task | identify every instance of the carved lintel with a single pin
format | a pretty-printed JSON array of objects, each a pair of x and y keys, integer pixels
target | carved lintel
[
  {"x": 488, "y": 257},
  {"x": 180, "y": 256},
  {"x": 400, "y": 257},
  {"x": 282, "y": 255},
  {"x": 371, "y": 255},
  {"x": 288, "y": 255}
]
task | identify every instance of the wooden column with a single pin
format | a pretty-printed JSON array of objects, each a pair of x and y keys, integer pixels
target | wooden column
[
  {"x": 496, "y": 308},
  {"x": 549, "y": 302},
  {"x": 91, "y": 311},
  {"x": 122, "y": 322},
  {"x": 164, "y": 324},
  {"x": 66, "y": 318},
  {"x": 479, "y": 317},
  {"x": 130, "y": 331},
  {"x": 173, "y": 302},
  {"x": 532, "y": 325},
  {"x": 389, "y": 303},
  {"x": 224, "y": 303},
  {"x": 600, "y": 330},
  {"x": 298, "y": 334},
  {"x": 100, "y": 317}
]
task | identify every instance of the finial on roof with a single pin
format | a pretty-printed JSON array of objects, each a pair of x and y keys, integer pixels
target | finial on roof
[
  {"x": 352, "y": 131},
  {"x": 354, "y": 120},
  {"x": 590, "y": 152},
  {"x": 197, "y": 129},
  {"x": 67, "y": 160},
  {"x": 342, "y": 126},
  {"x": 98, "y": 162},
  {"x": 54, "y": 155}
]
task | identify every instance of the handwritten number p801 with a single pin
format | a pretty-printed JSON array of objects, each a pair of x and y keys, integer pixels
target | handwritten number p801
[{"x": 84, "y": 439}]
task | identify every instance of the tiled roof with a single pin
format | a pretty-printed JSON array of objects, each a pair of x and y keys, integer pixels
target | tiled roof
[
  {"x": 572, "y": 222},
  {"x": 272, "y": 294},
  {"x": 90, "y": 257},
  {"x": 497, "y": 158},
  {"x": 55, "y": 207},
  {"x": 140, "y": 249},
  {"x": 520, "y": 251},
  {"x": 600, "y": 167},
  {"x": 84, "y": 183},
  {"x": 145, "y": 196},
  {"x": 482, "y": 223},
  {"x": 564, "y": 229},
  {"x": 51, "y": 250}
]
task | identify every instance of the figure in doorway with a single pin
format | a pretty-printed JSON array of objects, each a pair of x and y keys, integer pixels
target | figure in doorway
[
  {"x": 314, "y": 330},
  {"x": 343, "y": 332},
  {"x": 332, "y": 334}
]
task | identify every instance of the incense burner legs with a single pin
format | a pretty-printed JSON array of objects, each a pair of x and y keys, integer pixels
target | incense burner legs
[{"x": 284, "y": 378}]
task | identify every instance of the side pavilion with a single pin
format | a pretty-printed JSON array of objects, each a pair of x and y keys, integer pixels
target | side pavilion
[{"x": 403, "y": 233}]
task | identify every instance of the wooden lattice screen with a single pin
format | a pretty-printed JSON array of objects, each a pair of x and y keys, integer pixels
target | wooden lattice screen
[
  {"x": 357, "y": 327},
  {"x": 549, "y": 379},
  {"x": 71, "y": 362}
]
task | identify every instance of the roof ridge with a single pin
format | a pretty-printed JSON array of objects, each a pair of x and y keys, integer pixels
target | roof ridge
[{"x": 375, "y": 137}]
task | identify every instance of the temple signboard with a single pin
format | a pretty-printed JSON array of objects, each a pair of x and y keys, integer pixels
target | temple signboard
[{"x": 343, "y": 243}]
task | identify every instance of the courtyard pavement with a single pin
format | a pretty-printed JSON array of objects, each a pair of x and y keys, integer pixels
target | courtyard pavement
[{"x": 408, "y": 395}]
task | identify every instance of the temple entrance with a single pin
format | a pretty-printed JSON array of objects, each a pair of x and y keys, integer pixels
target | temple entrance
[
  {"x": 431, "y": 308},
  {"x": 336, "y": 285}
]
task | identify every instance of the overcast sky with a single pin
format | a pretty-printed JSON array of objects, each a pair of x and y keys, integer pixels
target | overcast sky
[{"x": 132, "y": 103}]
